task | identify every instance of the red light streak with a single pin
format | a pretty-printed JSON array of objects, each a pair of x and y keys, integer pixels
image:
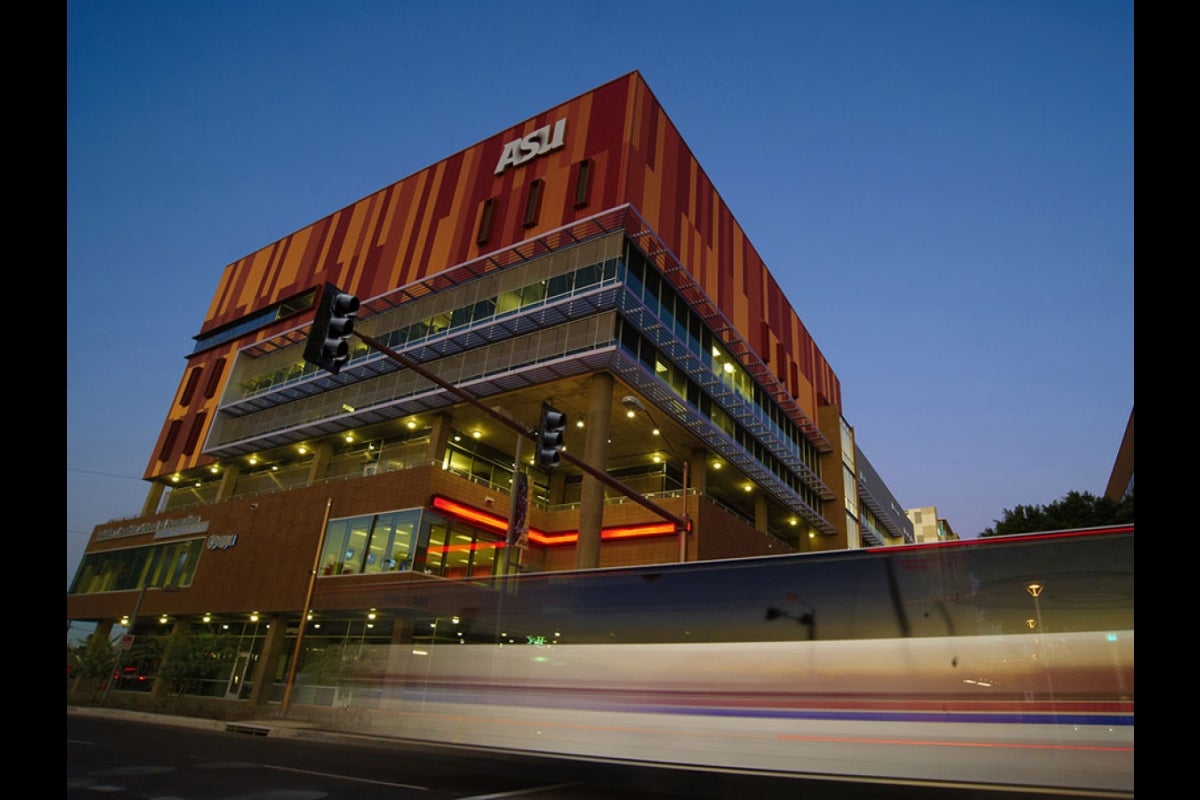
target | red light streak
[{"x": 498, "y": 523}]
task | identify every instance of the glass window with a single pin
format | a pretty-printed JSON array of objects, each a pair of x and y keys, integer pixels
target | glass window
[
  {"x": 461, "y": 317},
  {"x": 653, "y": 287},
  {"x": 439, "y": 323},
  {"x": 335, "y": 547},
  {"x": 377, "y": 545},
  {"x": 533, "y": 293},
  {"x": 435, "y": 551},
  {"x": 401, "y": 545},
  {"x": 587, "y": 276},
  {"x": 171, "y": 564},
  {"x": 458, "y": 462},
  {"x": 484, "y": 310},
  {"x": 583, "y": 182},
  {"x": 634, "y": 273},
  {"x": 560, "y": 285},
  {"x": 486, "y": 214},
  {"x": 610, "y": 269},
  {"x": 667, "y": 310},
  {"x": 356, "y": 546},
  {"x": 483, "y": 561},
  {"x": 533, "y": 202},
  {"x": 508, "y": 302}
]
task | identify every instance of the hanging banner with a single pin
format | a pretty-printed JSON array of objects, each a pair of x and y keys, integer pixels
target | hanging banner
[{"x": 518, "y": 518}]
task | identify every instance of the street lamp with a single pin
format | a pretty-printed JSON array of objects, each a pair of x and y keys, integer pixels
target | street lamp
[{"x": 1035, "y": 591}]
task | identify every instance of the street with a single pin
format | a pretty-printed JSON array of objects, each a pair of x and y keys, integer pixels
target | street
[{"x": 135, "y": 759}]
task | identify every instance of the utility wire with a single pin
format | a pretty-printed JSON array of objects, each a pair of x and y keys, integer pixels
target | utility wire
[{"x": 105, "y": 474}]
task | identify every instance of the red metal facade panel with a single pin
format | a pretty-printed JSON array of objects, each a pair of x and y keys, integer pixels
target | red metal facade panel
[{"x": 428, "y": 222}]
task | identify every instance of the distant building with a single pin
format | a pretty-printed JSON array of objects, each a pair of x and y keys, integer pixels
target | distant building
[
  {"x": 883, "y": 520},
  {"x": 928, "y": 526}
]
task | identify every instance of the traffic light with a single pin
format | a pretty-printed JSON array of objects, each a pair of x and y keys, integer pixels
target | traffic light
[
  {"x": 550, "y": 437},
  {"x": 328, "y": 343}
]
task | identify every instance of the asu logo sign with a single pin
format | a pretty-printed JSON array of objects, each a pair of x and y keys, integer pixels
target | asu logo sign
[{"x": 529, "y": 147}]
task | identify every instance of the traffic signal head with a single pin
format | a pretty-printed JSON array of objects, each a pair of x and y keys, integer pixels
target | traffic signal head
[
  {"x": 328, "y": 343},
  {"x": 550, "y": 437}
]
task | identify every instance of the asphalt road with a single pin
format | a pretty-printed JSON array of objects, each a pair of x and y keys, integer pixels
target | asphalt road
[{"x": 117, "y": 758}]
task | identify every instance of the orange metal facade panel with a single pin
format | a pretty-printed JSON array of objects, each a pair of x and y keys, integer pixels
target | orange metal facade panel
[
  {"x": 426, "y": 222},
  {"x": 289, "y": 268},
  {"x": 403, "y": 270}
]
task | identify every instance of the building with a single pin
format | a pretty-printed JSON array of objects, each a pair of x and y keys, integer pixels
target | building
[
  {"x": 580, "y": 258},
  {"x": 882, "y": 520},
  {"x": 1120, "y": 480},
  {"x": 927, "y": 526}
]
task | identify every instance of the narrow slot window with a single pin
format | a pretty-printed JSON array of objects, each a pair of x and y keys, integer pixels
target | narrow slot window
[
  {"x": 583, "y": 183},
  {"x": 193, "y": 437},
  {"x": 189, "y": 388},
  {"x": 169, "y": 442},
  {"x": 486, "y": 216},
  {"x": 214, "y": 378},
  {"x": 533, "y": 202}
]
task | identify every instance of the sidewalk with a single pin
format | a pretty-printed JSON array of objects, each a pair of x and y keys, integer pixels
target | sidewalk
[{"x": 255, "y": 727}]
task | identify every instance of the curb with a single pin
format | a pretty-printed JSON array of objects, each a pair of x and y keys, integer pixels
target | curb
[{"x": 278, "y": 728}]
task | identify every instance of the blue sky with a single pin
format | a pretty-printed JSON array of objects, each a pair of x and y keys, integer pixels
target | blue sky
[{"x": 944, "y": 189}]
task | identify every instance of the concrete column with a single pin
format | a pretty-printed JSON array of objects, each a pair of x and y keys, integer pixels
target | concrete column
[
  {"x": 760, "y": 511},
  {"x": 698, "y": 471},
  {"x": 229, "y": 478},
  {"x": 400, "y": 668},
  {"x": 268, "y": 659},
  {"x": 402, "y": 630},
  {"x": 558, "y": 487},
  {"x": 595, "y": 453},
  {"x": 439, "y": 438},
  {"x": 322, "y": 455},
  {"x": 697, "y": 486},
  {"x": 153, "y": 498}
]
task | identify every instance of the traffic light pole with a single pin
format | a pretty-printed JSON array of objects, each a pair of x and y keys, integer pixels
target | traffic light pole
[
  {"x": 120, "y": 660},
  {"x": 680, "y": 522}
]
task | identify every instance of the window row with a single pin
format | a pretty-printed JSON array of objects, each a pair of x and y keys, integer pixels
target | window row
[
  {"x": 415, "y": 540},
  {"x": 522, "y": 298},
  {"x": 647, "y": 284},
  {"x": 581, "y": 178},
  {"x": 171, "y": 564},
  {"x": 641, "y": 348}
]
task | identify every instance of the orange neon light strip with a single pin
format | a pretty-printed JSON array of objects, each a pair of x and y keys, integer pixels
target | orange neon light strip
[
  {"x": 498, "y": 523},
  {"x": 464, "y": 548},
  {"x": 481, "y": 518}
]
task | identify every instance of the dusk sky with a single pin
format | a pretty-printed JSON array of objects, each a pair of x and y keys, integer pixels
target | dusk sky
[{"x": 942, "y": 188}]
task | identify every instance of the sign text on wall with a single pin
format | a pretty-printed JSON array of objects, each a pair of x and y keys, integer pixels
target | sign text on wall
[
  {"x": 538, "y": 143},
  {"x": 222, "y": 542},
  {"x": 161, "y": 529}
]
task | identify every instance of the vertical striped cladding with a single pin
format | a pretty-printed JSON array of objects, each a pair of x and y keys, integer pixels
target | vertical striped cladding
[
  {"x": 429, "y": 221},
  {"x": 667, "y": 185}
]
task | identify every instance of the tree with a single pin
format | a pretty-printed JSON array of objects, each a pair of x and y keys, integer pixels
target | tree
[
  {"x": 189, "y": 659},
  {"x": 93, "y": 660},
  {"x": 1075, "y": 510}
]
